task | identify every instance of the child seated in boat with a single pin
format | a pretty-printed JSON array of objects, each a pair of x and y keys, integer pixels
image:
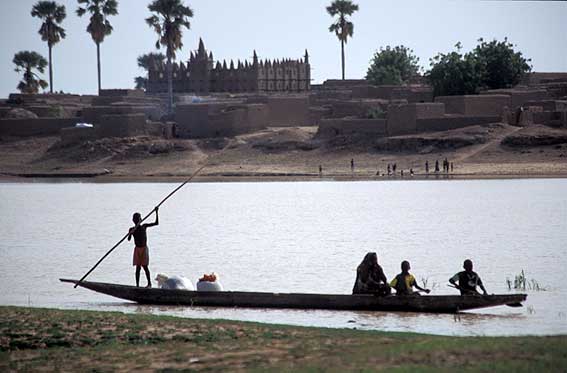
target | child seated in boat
[
  {"x": 467, "y": 281},
  {"x": 370, "y": 278},
  {"x": 405, "y": 282}
]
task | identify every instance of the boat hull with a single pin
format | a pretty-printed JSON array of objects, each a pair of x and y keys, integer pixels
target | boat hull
[{"x": 424, "y": 303}]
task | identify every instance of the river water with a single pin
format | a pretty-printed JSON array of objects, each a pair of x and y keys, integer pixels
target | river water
[{"x": 296, "y": 237}]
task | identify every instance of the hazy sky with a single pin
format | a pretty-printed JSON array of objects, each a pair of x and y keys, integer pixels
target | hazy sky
[{"x": 285, "y": 28}]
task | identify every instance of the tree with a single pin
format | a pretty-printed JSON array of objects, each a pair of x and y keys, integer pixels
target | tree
[
  {"x": 343, "y": 28},
  {"x": 27, "y": 61},
  {"x": 168, "y": 19},
  {"x": 52, "y": 14},
  {"x": 146, "y": 61},
  {"x": 454, "y": 73},
  {"x": 392, "y": 66},
  {"x": 490, "y": 65},
  {"x": 99, "y": 27},
  {"x": 502, "y": 66}
]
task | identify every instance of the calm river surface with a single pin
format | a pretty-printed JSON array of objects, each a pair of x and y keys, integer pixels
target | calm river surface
[{"x": 295, "y": 237}]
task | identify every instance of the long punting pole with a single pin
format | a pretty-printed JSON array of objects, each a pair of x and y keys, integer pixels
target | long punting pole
[{"x": 140, "y": 222}]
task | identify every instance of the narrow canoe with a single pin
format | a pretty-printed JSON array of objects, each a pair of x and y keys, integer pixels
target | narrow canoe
[{"x": 423, "y": 303}]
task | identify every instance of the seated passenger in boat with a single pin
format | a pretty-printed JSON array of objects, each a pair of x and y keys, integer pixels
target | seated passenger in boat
[
  {"x": 370, "y": 278},
  {"x": 467, "y": 281},
  {"x": 405, "y": 282}
]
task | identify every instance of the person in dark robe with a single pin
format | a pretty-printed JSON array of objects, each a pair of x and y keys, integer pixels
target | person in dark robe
[{"x": 370, "y": 278}]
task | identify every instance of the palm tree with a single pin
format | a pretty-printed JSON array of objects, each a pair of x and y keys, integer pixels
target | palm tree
[
  {"x": 167, "y": 20},
  {"x": 27, "y": 61},
  {"x": 146, "y": 61},
  {"x": 343, "y": 28},
  {"x": 52, "y": 14},
  {"x": 98, "y": 27}
]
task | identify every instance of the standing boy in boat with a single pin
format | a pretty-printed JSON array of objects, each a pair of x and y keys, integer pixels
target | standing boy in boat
[
  {"x": 405, "y": 282},
  {"x": 141, "y": 252},
  {"x": 467, "y": 280}
]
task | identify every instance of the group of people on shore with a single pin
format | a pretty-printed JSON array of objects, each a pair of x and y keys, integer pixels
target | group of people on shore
[
  {"x": 370, "y": 279},
  {"x": 447, "y": 166},
  {"x": 392, "y": 168}
]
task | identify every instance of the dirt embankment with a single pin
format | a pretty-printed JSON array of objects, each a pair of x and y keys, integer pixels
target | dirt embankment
[
  {"x": 476, "y": 151},
  {"x": 537, "y": 136}
]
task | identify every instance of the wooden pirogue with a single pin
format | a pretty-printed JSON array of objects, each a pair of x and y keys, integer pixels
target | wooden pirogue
[{"x": 424, "y": 303}]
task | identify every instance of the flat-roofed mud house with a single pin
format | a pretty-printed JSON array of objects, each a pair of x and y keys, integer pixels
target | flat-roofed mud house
[{"x": 201, "y": 75}]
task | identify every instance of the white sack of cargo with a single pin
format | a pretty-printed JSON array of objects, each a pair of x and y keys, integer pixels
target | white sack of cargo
[
  {"x": 174, "y": 282},
  {"x": 209, "y": 283}
]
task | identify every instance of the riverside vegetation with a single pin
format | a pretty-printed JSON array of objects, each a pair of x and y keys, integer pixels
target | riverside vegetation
[{"x": 32, "y": 339}]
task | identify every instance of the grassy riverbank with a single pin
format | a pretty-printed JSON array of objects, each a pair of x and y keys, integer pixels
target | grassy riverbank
[{"x": 45, "y": 339}]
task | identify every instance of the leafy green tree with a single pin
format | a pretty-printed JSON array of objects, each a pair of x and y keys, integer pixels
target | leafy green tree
[
  {"x": 454, "y": 73},
  {"x": 99, "y": 27},
  {"x": 146, "y": 61},
  {"x": 343, "y": 28},
  {"x": 392, "y": 66},
  {"x": 168, "y": 19},
  {"x": 52, "y": 14},
  {"x": 502, "y": 66},
  {"x": 28, "y": 61}
]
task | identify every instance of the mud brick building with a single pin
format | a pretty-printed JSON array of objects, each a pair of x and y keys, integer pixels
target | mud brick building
[{"x": 201, "y": 75}]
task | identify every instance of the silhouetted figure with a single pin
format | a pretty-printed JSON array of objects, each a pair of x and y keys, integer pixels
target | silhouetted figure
[
  {"x": 437, "y": 165},
  {"x": 446, "y": 165},
  {"x": 141, "y": 251},
  {"x": 320, "y": 170},
  {"x": 389, "y": 170},
  {"x": 352, "y": 165},
  {"x": 394, "y": 168},
  {"x": 467, "y": 280},
  {"x": 402, "y": 173},
  {"x": 405, "y": 282},
  {"x": 411, "y": 172},
  {"x": 370, "y": 278},
  {"x": 451, "y": 166},
  {"x": 426, "y": 167}
]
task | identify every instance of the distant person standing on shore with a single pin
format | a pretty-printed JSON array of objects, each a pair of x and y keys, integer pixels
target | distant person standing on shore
[
  {"x": 389, "y": 169},
  {"x": 437, "y": 165},
  {"x": 141, "y": 254},
  {"x": 426, "y": 167},
  {"x": 352, "y": 164},
  {"x": 320, "y": 170},
  {"x": 451, "y": 166},
  {"x": 394, "y": 168}
]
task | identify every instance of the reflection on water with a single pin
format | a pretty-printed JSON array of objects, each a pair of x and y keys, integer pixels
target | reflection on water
[{"x": 296, "y": 237}]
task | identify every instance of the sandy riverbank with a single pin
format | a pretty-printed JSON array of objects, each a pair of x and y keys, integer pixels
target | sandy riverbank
[
  {"x": 294, "y": 154},
  {"x": 34, "y": 339}
]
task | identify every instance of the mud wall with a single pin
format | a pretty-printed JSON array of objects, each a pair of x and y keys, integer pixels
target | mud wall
[
  {"x": 402, "y": 118},
  {"x": 348, "y": 126},
  {"x": 450, "y": 122},
  {"x": 121, "y": 125},
  {"x": 220, "y": 119},
  {"x": 288, "y": 111},
  {"x": 475, "y": 105},
  {"x": 35, "y": 127}
]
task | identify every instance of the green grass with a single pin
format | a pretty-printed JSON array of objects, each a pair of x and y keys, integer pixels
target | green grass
[{"x": 44, "y": 339}]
